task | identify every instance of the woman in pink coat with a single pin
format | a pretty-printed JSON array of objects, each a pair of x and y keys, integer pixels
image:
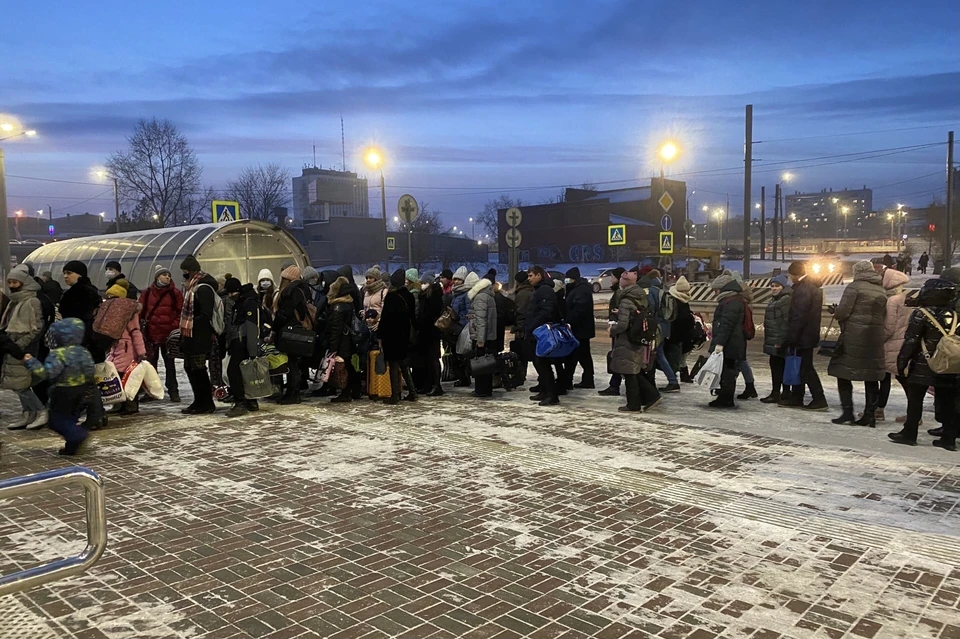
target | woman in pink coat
[
  {"x": 895, "y": 327},
  {"x": 127, "y": 350}
]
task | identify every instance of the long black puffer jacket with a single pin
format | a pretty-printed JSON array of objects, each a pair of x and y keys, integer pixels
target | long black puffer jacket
[
  {"x": 806, "y": 307},
  {"x": 542, "y": 309},
  {"x": 861, "y": 314},
  {"x": 728, "y": 323},
  {"x": 580, "y": 310},
  {"x": 937, "y": 297},
  {"x": 775, "y": 323},
  {"x": 339, "y": 318}
]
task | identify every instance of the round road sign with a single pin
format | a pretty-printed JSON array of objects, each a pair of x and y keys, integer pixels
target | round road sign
[
  {"x": 513, "y": 217},
  {"x": 407, "y": 208},
  {"x": 513, "y": 238}
]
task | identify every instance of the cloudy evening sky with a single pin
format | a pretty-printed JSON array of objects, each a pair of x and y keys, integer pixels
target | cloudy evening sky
[{"x": 471, "y": 99}]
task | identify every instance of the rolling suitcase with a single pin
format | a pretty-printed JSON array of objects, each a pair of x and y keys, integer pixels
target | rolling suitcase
[
  {"x": 511, "y": 375},
  {"x": 378, "y": 384}
]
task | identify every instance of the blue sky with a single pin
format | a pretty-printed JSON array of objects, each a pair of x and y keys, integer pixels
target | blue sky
[{"x": 473, "y": 99}]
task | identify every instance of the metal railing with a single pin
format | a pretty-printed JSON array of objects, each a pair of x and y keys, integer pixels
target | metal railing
[{"x": 96, "y": 518}]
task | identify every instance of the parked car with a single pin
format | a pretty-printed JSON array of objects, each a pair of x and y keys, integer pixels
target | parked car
[{"x": 603, "y": 281}]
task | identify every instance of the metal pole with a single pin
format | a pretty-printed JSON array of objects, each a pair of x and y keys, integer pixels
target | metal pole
[
  {"x": 116, "y": 204},
  {"x": 948, "y": 247},
  {"x": 726, "y": 225},
  {"x": 383, "y": 207},
  {"x": 409, "y": 247},
  {"x": 747, "y": 188},
  {"x": 776, "y": 210},
  {"x": 763, "y": 223},
  {"x": 783, "y": 229},
  {"x": 4, "y": 228}
]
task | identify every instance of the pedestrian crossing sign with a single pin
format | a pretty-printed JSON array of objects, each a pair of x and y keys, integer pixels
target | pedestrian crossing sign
[
  {"x": 617, "y": 235},
  {"x": 391, "y": 244},
  {"x": 225, "y": 210},
  {"x": 666, "y": 242}
]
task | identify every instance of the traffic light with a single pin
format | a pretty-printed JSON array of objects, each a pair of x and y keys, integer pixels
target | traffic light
[{"x": 931, "y": 227}]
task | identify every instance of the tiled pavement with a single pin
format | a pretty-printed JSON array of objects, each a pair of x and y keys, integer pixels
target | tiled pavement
[{"x": 487, "y": 519}]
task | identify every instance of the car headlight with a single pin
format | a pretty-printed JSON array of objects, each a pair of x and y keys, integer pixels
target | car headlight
[
  {"x": 816, "y": 268},
  {"x": 832, "y": 268}
]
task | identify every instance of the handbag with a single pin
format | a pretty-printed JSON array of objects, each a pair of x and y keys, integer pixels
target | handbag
[
  {"x": 831, "y": 347},
  {"x": 555, "y": 340},
  {"x": 256, "y": 378},
  {"x": 449, "y": 368},
  {"x": 297, "y": 341},
  {"x": 791, "y": 371},
  {"x": 709, "y": 375},
  {"x": 338, "y": 374},
  {"x": 447, "y": 319},
  {"x": 173, "y": 344},
  {"x": 483, "y": 365}
]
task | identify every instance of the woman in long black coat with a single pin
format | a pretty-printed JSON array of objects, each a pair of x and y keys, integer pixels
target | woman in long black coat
[
  {"x": 339, "y": 319},
  {"x": 428, "y": 336},
  {"x": 394, "y": 336}
]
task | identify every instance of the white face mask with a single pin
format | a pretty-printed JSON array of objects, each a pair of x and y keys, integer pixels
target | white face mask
[
  {"x": 111, "y": 273},
  {"x": 568, "y": 281},
  {"x": 265, "y": 284}
]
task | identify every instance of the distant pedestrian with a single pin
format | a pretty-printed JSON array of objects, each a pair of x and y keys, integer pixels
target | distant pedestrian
[
  {"x": 579, "y": 300},
  {"x": 922, "y": 263},
  {"x": 888, "y": 261},
  {"x": 197, "y": 334},
  {"x": 114, "y": 274},
  {"x": 632, "y": 360},
  {"x": 613, "y": 307},
  {"x": 162, "y": 304},
  {"x": 542, "y": 310}
]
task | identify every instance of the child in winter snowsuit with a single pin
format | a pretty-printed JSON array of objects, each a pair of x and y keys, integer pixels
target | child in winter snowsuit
[{"x": 69, "y": 369}]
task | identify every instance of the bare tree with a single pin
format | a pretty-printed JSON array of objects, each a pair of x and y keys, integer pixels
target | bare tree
[
  {"x": 488, "y": 218},
  {"x": 197, "y": 208},
  {"x": 159, "y": 170},
  {"x": 260, "y": 189},
  {"x": 428, "y": 221}
]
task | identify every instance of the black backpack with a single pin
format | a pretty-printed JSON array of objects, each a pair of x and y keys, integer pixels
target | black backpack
[{"x": 642, "y": 328}]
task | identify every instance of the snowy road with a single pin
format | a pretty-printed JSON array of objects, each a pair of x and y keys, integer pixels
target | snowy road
[{"x": 457, "y": 517}]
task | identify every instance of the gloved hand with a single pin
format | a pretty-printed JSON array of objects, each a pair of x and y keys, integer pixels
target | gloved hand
[
  {"x": 142, "y": 358},
  {"x": 718, "y": 349}
]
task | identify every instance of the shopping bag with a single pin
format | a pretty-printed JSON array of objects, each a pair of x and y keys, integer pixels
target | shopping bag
[
  {"x": 297, "y": 341},
  {"x": 338, "y": 374},
  {"x": 709, "y": 375},
  {"x": 326, "y": 367},
  {"x": 791, "y": 371},
  {"x": 449, "y": 368},
  {"x": 132, "y": 380},
  {"x": 151, "y": 381},
  {"x": 256, "y": 378},
  {"x": 109, "y": 384},
  {"x": 464, "y": 343},
  {"x": 555, "y": 340},
  {"x": 697, "y": 366}
]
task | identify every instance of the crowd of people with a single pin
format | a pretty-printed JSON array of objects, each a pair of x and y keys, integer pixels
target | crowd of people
[{"x": 401, "y": 331}]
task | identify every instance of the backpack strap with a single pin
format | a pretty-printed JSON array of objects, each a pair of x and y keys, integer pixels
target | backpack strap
[{"x": 939, "y": 326}]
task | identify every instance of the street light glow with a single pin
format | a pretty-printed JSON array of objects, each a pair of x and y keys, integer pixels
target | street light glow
[
  {"x": 786, "y": 177},
  {"x": 30, "y": 133},
  {"x": 374, "y": 158},
  {"x": 19, "y": 213},
  {"x": 668, "y": 151},
  {"x": 102, "y": 213},
  {"x": 757, "y": 206},
  {"x": 6, "y": 126},
  {"x": 705, "y": 208}
]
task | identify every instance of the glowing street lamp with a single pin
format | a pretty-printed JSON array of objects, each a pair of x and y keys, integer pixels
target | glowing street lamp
[
  {"x": 373, "y": 158},
  {"x": 667, "y": 152}
]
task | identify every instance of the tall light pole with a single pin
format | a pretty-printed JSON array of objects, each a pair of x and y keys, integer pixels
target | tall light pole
[
  {"x": 103, "y": 175},
  {"x": 374, "y": 159},
  {"x": 786, "y": 177},
  {"x": 718, "y": 214},
  {"x": 845, "y": 210},
  {"x": 12, "y": 131}
]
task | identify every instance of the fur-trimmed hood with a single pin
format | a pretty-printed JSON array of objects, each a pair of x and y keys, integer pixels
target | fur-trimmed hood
[{"x": 479, "y": 286}]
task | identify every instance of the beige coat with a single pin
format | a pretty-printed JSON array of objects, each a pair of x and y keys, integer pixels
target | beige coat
[{"x": 898, "y": 315}]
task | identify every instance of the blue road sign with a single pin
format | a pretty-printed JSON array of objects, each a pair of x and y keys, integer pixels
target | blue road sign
[
  {"x": 225, "y": 210},
  {"x": 617, "y": 235},
  {"x": 666, "y": 223}
]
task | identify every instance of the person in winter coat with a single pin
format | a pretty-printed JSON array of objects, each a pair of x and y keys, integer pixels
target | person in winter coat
[
  {"x": 339, "y": 319},
  {"x": 803, "y": 335},
  {"x": 81, "y": 301},
  {"x": 628, "y": 359},
  {"x": 129, "y": 349},
  {"x": 346, "y": 272},
  {"x": 292, "y": 311},
  {"x": 579, "y": 297},
  {"x": 894, "y": 329},
  {"x": 922, "y": 263},
  {"x": 861, "y": 315},
  {"x": 162, "y": 303},
  {"x": 51, "y": 287},
  {"x": 196, "y": 333},
  {"x": 374, "y": 290},
  {"x": 430, "y": 309},
  {"x": 729, "y": 337},
  {"x": 613, "y": 308},
  {"x": 267, "y": 289},
  {"x": 446, "y": 284},
  {"x": 483, "y": 326},
  {"x": 394, "y": 336},
  {"x": 69, "y": 368},
  {"x": 461, "y": 305},
  {"x": 680, "y": 341},
  {"x": 542, "y": 310},
  {"x": 22, "y": 324},
  {"x": 522, "y": 292},
  {"x": 925, "y": 329},
  {"x": 653, "y": 282},
  {"x": 244, "y": 345},
  {"x": 750, "y": 392},
  {"x": 114, "y": 274},
  {"x": 775, "y": 320}
]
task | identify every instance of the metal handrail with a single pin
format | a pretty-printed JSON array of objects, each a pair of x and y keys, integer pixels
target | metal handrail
[{"x": 96, "y": 517}]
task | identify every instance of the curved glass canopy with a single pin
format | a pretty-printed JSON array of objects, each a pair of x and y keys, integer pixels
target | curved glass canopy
[{"x": 240, "y": 248}]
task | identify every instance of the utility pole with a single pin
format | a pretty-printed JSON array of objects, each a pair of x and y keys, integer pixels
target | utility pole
[
  {"x": 948, "y": 247},
  {"x": 4, "y": 229},
  {"x": 783, "y": 229},
  {"x": 763, "y": 223},
  {"x": 747, "y": 188},
  {"x": 726, "y": 225},
  {"x": 776, "y": 210},
  {"x": 383, "y": 208}
]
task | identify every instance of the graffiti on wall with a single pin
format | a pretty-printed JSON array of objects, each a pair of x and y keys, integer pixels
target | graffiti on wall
[{"x": 580, "y": 253}]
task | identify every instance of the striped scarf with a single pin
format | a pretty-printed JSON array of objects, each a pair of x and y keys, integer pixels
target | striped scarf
[{"x": 186, "y": 316}]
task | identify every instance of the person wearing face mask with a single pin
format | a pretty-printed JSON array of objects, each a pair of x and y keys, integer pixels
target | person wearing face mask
[
  {"x": 580, "y": 318},
  {"x": 81, "y": 301},
  {"x": 114, "y": 274},
  {"x": 162, "y": 304},
  {"x": 266, "y": 289},
  {"x": 197, "y": 334},
  {"x": 22, "y": 324}
]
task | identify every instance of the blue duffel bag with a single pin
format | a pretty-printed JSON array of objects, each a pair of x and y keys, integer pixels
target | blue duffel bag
[{"x": 555, "y": 340}]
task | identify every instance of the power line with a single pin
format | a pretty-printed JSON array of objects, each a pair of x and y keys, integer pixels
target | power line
[
  {"x": 919, "y": 177},
  {"x": 843, "y": 135}
]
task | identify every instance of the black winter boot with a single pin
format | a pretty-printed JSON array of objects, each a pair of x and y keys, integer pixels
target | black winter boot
[
  {"x": 724, "y": 400},
  {"x": 685, "y": 376},
  {"x": 846, "y": 417},
  {"x": 750, "y": 392},
  {"x": 772, "y": 398}
]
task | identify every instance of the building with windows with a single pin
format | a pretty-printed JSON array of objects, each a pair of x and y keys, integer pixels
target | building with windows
[
  {"x": 827, "y": 213},
  {"x": 320, "y": 194}
]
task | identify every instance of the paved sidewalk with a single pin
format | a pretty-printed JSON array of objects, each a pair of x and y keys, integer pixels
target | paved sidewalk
[{"x": 456, "y": 517}]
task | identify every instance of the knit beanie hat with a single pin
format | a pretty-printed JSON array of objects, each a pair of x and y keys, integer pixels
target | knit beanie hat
[
  {"x": 159, "y": 270},
  {"x": 628, "y": 278},
  {"x": 397, "y": 278},
  {"x": 782, "y": 280},
  {"x": 797, "y": 269},
  {"x": 427, "y": 278},
  {"x": 20, "y": 274},
  {"x": 460, "y": 274},
  {"x": 682, "y": 285},
  {"x": 309, "y": 274},
  {"x": 412, "y": 275},
  {"x": 470, "y": 279},
  {"x": 491, "y": 275},
  {"x": 119, "y": 289},
  {"x": 385, "y": 278},
  {"x": 290, "y": 273},
  {"x": 232, "y": 285},
  {"x": 75, "y": 266},
  {"x": 447, "y": 273},
  {"x": 862, "y": 266},
  {"x": 573, "y": 274},
  {"x": 617, "y": 272},
  {"x": 190, "y": 263},
  {"x": 373, "y": 271},
  {"x": 115, "y": 265},
  {"x": 521, "y": 277}
]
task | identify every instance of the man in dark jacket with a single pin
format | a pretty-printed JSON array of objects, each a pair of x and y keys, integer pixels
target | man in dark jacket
[
  {"x": 522, "y": 293},
  {"x": 613, "y": 306},
  {"x": 728, "y": 336},
  {"x": 542, "y": 310},
  {"x": 803, "y": 334},
  {"x": 292, "y": 311},
  {"x": 50, "y": 287},
  {"x": 430, "y": 307},
  {"x": 115, "y": 274},
  {"x": 81, "y": 301},
  {"x": 580, "y": 318},
  {"x": 394, "y": 335},
  {"x": 197, "y": 336},
  {"x": 245, "y": 333}
]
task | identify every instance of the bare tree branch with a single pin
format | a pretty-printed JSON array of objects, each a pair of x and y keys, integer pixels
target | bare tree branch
[
  {"x": 487, "y": 218},
  {"x": 260, "y": 189}
]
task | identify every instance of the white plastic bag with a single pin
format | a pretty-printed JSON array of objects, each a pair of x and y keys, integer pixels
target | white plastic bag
[
  {"x": 464, "y": 342},
  {"x": 151, "y": 381},
  {"x": 132, "y": 379},
  {"x": 709, "y": 375},
  {"x": 108, "y": 383}
]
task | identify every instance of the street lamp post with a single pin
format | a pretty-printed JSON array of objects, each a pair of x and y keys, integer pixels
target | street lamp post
[
  {"x": 103, "y": 175},
  {"x": 6, "y": 127},
  {"x": 374, "y": 159},
  {"x": 473, "y": 229},
  {"x": 845, "y": 210},
  {"x": 718, "y": 214}
]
